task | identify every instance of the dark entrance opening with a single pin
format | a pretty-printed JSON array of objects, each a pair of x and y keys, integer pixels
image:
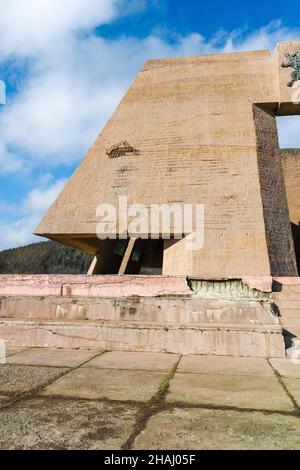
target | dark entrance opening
[{"x": 129, "y": 256}]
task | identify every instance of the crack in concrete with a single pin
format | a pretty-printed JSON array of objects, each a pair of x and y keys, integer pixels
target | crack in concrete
[
  {"x": 150, "y": 408},
  {"x": 146, "y": 410},
  {"x": 281, "y": 382},
  {"x": 34, "y": 392}
]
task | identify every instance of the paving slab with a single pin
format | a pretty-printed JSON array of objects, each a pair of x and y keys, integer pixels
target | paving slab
[
  {"x": 3, "y": 398},
  {"x": 293, "y": 386},
  {"x": 229, "y": 390},
  {"x": 287, "y": 367},
  {"x": 107, "y": 383},
  {"x": 9, "y": 351},
  {"x": 202, "y": 429},
  {"x": 45, "y": 423},
  {"x": 16, "y": 379},
  {"x": 225, "y": 365},
  {"x": 52, "y": 357},
  {"x": 15, "y": 350},
  {"x": 134, "y": 360}
]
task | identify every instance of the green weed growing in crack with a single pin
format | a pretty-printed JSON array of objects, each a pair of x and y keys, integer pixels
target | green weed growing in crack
[
  {"x": 296, "y": 406},
  {"x": 150, "y": 408}
]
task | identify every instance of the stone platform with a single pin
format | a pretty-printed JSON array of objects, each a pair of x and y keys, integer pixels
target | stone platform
[{"x": 140, "y": 313}]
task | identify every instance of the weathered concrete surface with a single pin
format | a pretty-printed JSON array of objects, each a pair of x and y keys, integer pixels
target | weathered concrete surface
[
  {"x": 158, "y": 321},
  {"x": 134, "y": 360},
  {"x": 43, "y": 423},
  {"x": 291, "y": 168},
  {"x": 287, "y": 367},
  {"x": 229, "y": 391},
  {"x": 17, "y": 379},
  {"x": 34, "y": 418},
  {"x": 3, "y": 398},
  {"x": 291, "y": 171},
  {"x": 169, "y": 309},
  {"x": 262, "y": 283},
  {"x": 230, "y": 289},
  {"x": 278, "y": 231},
  {"x": 52, "y": 357},
  {"x": 286, "y": 296},
  {"x": 202, "y": 429},
  {"x": 92, "y": 286},
  {"x": 257, "y": 340},
  {"x": 110, "y": 384},
  {"x": 9, "y": 352},
  {"x": 225, "y": 365},
  {"x": 293, "y": 386}
]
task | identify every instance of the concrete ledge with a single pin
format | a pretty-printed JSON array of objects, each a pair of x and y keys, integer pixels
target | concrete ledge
[
  {"x": 234, "y": 340},
  {"x": 167, "y": 309},
  {"x": 117, "y": 286},
  {"x": 263, "y": 283},
  {"x": 92, "y": 286},
  {"x": 135, "y": 313},
  {"x": 287, "y": 281}
]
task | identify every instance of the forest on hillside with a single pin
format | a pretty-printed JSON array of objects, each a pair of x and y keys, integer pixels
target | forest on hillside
[{"x": 44, "y": 258}]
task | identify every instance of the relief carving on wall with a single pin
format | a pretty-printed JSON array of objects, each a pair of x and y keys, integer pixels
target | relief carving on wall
[
  {"x": 121, "y": 149},
  {"x": 293, "y": 60}
]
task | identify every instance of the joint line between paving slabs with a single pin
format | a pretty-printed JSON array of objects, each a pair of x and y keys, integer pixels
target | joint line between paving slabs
[
  {"x": 280, "y": 380},
  {"x": 151, "y": 407},
  {"x": 35, "y": 392}
]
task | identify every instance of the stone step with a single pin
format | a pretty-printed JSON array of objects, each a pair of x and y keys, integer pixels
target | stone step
[
  {"x": 286, "y": 303},
  {"x": 280, "y": 296},
  {"x": 286, "y": 289},
  {"x": 200, "y": 338},
  {"x": 186, "y": 309},
  {"x": 290, "y": 323},
  {"x": 289, "y": 313},
  {"x": 291, "y": 330}
]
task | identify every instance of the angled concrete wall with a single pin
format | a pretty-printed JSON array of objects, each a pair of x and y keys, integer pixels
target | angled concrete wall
[
  {"x": 191, "y": 137},
  {"x": 291, "y": 168}
]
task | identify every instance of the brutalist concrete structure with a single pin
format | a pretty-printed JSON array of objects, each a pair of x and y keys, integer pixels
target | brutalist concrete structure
[{"x": 190, "y": 130}]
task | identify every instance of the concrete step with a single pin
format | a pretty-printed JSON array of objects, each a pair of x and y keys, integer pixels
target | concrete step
[
  {"x": 279, "y": 296},
  {"x": 286, "y": 296},
  {"x": 289, "y": 313},
  {"x": 186, "y": 309},
  {"x": 256, "y": 340},
  {"x": 291, "y": 324},
  {"x": 285, "y": 288},
  {"x": 284, "y": 303}
]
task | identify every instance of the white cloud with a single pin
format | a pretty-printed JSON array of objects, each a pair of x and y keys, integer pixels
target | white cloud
[
  {"x": 9, "y": 163},
  {"x": 71, "y": 91},
  {"x": 28, "y": 27},
  {"x": 29, "y": 212},
  {"x": 265, "y": 37}
]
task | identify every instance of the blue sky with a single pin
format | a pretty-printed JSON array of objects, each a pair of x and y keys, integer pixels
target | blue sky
[{"x": 67, "y": 64}]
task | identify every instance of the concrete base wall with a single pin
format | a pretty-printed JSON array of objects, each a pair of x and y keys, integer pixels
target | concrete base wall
[
  {"x": 169, "y": 310},
  {"x": 232, "y": 340},
  {"x": 148, "y": 313},
  {"x": 92, "y": 286}
]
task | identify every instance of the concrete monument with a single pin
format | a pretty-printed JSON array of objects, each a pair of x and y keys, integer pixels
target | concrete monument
[{"x": 197, "y": 129}]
